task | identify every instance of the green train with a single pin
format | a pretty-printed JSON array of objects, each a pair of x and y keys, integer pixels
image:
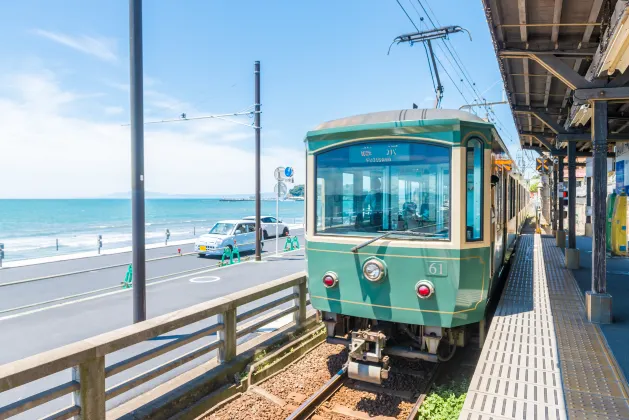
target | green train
[{"x": 408, "y": 218}]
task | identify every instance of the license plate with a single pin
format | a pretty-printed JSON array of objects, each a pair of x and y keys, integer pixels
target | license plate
[{"x": 202, "y": 248}]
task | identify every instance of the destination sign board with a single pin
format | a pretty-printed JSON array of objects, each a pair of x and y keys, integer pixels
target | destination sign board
[{"x": 380, "y": 153}]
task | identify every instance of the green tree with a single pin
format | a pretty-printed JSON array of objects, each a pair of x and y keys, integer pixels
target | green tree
[
  {"x": 534, "y": 184},
  {"x": 297, "y": 191}
]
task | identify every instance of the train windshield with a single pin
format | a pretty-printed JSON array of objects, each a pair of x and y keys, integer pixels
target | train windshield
[{"x": 377, "y": 187}]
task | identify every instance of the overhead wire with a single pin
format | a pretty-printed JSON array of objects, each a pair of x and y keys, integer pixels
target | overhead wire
[
  {"x": 466, "y": 75},
  {"x": 445, "y": 43},
  {"x": 436, "y": 58},
  {"x": 459, "y": 70},
  {"x": 434, "y": 86}
]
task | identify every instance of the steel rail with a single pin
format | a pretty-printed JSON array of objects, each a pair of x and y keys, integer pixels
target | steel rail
[
  {"x": 422, "y": 397},
  {"x": 308, "y": 407}
]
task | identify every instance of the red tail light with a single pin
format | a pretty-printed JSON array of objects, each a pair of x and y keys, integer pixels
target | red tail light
[
  {"x": 424, "y": 289},
  {"x": 330, "y": 279}
]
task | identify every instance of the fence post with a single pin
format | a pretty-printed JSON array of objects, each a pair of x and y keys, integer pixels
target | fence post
[
  {"x": 228, "y": 335},
  {"x": 91, "y": 394},
  {"x": 300, "y": 315}
]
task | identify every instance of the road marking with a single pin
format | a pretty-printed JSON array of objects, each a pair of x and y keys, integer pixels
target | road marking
[
  {"x": 52, "y": 276},
  {"x": 7, "y": 317},
  {"x": 205, "y": 279},
  {"x": 4, "y": 318}
]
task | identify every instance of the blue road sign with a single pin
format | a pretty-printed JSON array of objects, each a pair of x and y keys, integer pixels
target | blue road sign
[{"x": 288, "y": 172}]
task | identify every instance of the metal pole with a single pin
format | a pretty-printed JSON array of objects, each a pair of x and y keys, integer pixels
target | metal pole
[
  {"x": 588, "y": 199},
  {"x": 434, "y": 64},
  {"x": 560, "y": 196},
  {"x": 599, "y": 172},
  {"x": 277, "y": 219},
  {"x": 257, "y": 166},
  {"x": 572, "y": 194},
  {"x": 470, "y": 106},
  {"x": 137, "y": 161},
  {"x": 553, "y": 196}
]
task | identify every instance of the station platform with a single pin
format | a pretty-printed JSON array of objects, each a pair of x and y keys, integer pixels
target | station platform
[{"x": 541, "y": 358}]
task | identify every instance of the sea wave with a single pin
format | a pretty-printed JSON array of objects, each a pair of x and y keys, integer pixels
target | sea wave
[{"x": 31, "y": 228}]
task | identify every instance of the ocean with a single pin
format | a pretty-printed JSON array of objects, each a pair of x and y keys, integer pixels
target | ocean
[{"x": 31, "y": 228}]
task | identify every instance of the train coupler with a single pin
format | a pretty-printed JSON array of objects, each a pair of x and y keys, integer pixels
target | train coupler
[
  {"x": 366, "y": 362},
  {"x": 368, "y": 372}
]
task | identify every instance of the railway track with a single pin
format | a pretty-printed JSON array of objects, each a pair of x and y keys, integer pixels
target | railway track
[
  {"x": 314, "y": 406},
  {"x": 317, "y": 387}
]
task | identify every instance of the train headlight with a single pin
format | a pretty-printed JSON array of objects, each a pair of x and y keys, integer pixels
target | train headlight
[
  {"x": 424, "y": 289},
  {"x": 374, "y": 269},
  {"x": 330, "y": 279}
]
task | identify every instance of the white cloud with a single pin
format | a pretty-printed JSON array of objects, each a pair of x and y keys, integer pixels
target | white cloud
[
  {"x": 100, "y": 47},
  {"x": 50, "y": 150},
  {"x": 114, "y": 110}
]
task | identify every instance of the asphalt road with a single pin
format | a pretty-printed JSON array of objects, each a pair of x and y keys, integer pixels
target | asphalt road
[
  {"x": 29, "y": 331},
  {"x": 81, "y": 277}
]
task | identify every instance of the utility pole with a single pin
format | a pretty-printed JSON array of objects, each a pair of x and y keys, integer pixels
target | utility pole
[
  {"x": 257, "y": 166},
  {"x": 137, "y": 162}
]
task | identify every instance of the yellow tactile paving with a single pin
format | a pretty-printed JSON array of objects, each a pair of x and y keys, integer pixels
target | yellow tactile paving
[
  {"x": 592, "y": 383},
  {"x": 542, "y": 359}
]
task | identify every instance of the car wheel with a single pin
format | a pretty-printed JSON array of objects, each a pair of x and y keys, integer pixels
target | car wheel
[
  {"x": 265, "y": 235},
  {"x": 285, "y": 232},
  {"x": 201, "y": 255}
]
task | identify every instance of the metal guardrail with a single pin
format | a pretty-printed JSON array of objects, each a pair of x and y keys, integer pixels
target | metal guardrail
[{"x": 87, "y": 358}]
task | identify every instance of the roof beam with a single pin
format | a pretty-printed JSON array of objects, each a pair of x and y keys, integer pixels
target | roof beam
[
  {"x": 545, "y": 119},
  {"x": 552, "y": 111},
  {"x": 554, "y": 37},
  {"x": 562, "y": 71},
  {"x": 622, "y": 127},
  {"x": 543, "y": 141},
  {"x": 527, "y": 85},
  {"x": 601, "y": 94},
  {"x": 516, "y": 52},
  {"x": 594, "y": 12},
  {"x": 497, "y": 19},
  {"x": 622, "y": 109},
  {"x": 556, "y": 19},
  {"x": 587, "y": 34},
  {"x": 549, "y": 79},
  {"x": 537, "y": 93},
  {"x": 619, "y": 81},
  {"x": 563, "y": 153},
  {"x": 522, "y": 18},
  {"x": 611, "y": 138},
  {"x": 577, "y": 66},
  {"x": 558, "y": 68}
]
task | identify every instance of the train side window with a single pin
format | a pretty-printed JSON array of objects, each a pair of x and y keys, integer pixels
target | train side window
[{"x": 474, "y": 199}]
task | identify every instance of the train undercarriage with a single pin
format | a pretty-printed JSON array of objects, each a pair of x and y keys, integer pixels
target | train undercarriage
[{"x": 371, "y": 342}]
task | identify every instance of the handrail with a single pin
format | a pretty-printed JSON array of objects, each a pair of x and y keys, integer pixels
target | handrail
[{"x": 87, "y": 357}]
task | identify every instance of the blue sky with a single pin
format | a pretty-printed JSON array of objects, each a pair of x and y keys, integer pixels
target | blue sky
[{"x": 64, "y": 85}]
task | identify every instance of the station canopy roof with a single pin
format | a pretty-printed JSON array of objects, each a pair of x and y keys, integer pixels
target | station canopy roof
[{"x": 552, "y": 51}]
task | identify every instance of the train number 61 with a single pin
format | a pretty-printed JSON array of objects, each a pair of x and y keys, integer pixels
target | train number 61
[{"x": 436, "y": 269}]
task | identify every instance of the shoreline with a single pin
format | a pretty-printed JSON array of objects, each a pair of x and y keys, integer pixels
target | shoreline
[
  {"x": 86, "y": 254},
  {"x": 94, "y": 254}
]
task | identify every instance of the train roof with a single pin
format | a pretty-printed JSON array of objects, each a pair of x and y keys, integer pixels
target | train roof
[
  {"x": 402, "y": 115},
  {"x": 383, "y": 117}
]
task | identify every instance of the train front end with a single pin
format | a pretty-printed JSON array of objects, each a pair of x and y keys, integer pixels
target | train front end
[{"x": 398, "y": 247}]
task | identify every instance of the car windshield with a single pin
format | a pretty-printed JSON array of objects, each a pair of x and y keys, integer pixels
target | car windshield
[
  {"x": 400, "y": 188},
  {"x": 222, "y": 228}
]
